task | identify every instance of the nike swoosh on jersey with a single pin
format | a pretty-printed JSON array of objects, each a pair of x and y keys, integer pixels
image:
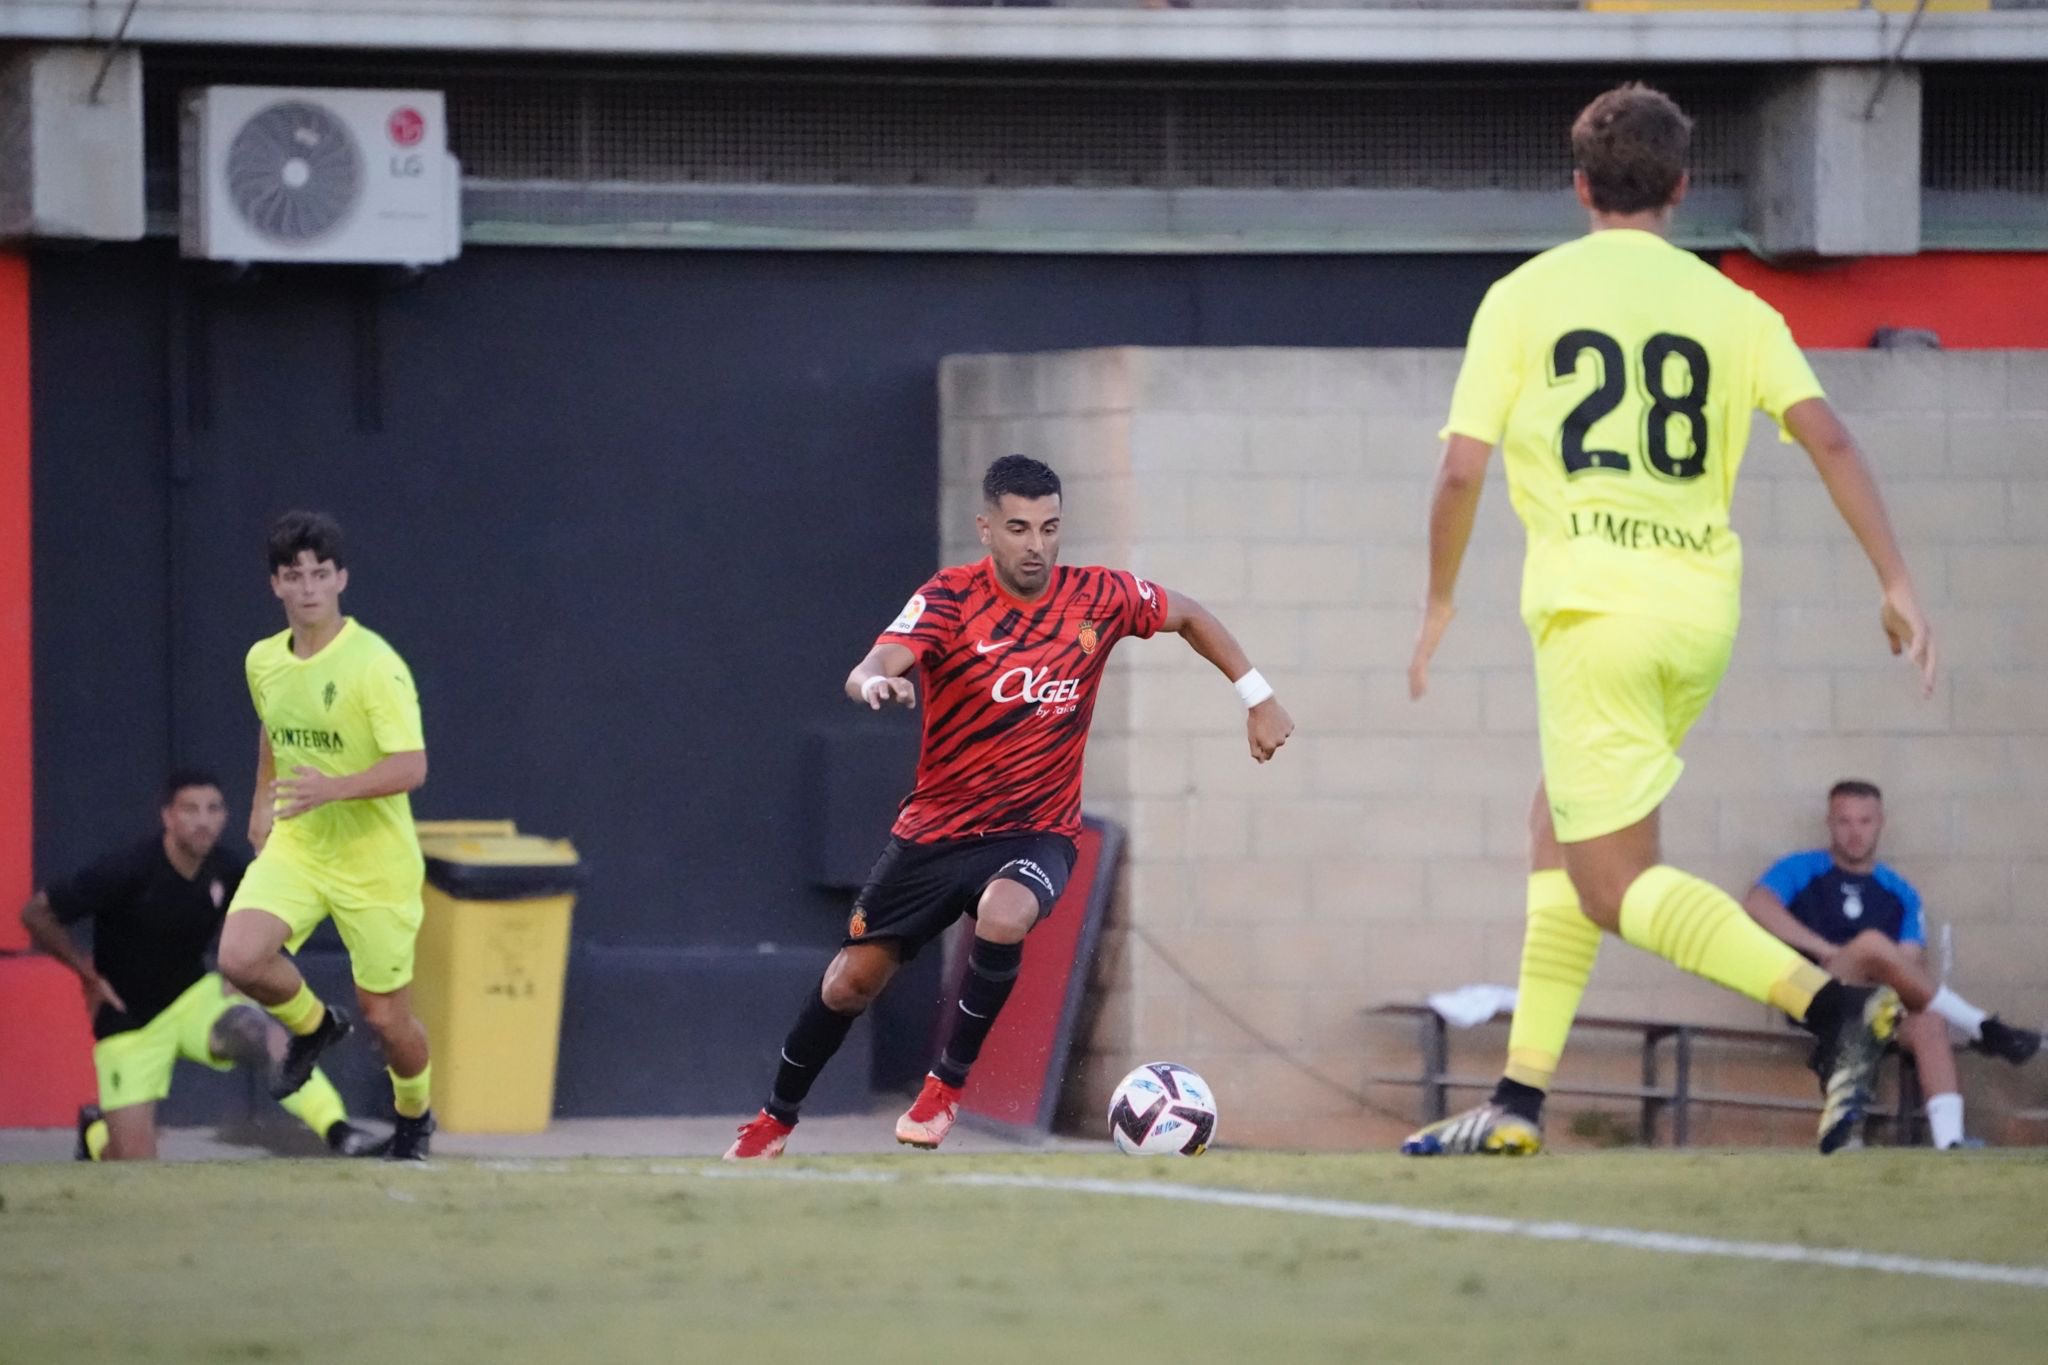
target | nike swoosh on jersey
[{"x": 984, "y": 646}]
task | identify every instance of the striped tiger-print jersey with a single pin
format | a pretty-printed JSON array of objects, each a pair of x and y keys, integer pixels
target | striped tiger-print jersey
[{"x": 1008, "y": 691}]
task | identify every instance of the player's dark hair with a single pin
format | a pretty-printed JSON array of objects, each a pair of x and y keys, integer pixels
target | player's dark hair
[
  {"x": 1854, "y": 786},
  {"x": 181, "y": 778},
  {"x": 296, "y": 532},
  {"x": 1019, "y": 475},
  {"x": 1631, "y": 142}
]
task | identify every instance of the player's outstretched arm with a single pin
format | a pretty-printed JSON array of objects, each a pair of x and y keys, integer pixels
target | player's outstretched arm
[
  {"x": 1842, "y": 468},
  {"x": 1453, "y": 506},
  {"x": 263, "y": 804},
  {"x": 1267, "y": 724},
  {"x": 53, "y": 938},
  {"x": 307, "y": 788},
  {"x": 1766, "y": 909},
  {"x": 878, "y": 680}
]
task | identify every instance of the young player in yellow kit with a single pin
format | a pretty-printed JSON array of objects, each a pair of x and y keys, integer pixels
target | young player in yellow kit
[
  {"x": 340, "y": 747},
  {"x": 1618, "y": 374}
]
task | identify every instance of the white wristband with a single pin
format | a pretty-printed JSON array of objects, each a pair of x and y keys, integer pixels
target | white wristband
[
  {"x": 1252, "y": 689},
  {"x": 866, "y": 688}
]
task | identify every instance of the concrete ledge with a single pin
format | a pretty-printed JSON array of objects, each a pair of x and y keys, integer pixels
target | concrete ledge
[{"x": 678, "y": 27}]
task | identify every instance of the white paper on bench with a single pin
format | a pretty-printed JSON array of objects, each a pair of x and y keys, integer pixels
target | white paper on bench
[{"x": 1468, "y": 1006}]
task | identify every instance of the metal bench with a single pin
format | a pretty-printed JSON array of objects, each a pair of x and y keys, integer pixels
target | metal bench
[{"x": 1656, "y": 1095}]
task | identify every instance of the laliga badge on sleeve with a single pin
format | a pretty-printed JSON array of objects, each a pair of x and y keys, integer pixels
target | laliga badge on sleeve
[{"x": 913, "y": 610}]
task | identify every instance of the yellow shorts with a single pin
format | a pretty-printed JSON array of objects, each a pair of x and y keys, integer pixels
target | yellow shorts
[
  {"x": 1615, "y": 696},
  {"x": 378, "y": 926},
  {"x": 135, "y": 1067}
]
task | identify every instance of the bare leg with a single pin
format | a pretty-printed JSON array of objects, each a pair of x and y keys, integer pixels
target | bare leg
[
  {"x": 389, "y": 1014},
  {"x": 1871, "y": 958},
  {"x": 1603, "y": 869},
  {"x": 858, "y": 974},
  {"x": 1546, "y": 854},
  {"x": 1927, "y": 1036},
  {"x": 1624, "y": 887},
  {"x": 253, "y": 959},
  {"x": 131, "y": 1133}
]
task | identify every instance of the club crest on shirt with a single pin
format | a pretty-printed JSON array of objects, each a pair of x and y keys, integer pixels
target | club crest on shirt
[
  {"x": 218, "y": 891},
  {"x": 858, "y": 925},
  {"x": 329, "y": 695},
  {"x": 1852, "y": 900},
  {"x": 1088, "y": 637}
]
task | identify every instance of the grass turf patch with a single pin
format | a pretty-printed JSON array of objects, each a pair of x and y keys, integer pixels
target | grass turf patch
[{"x": 628, "y": 1261}]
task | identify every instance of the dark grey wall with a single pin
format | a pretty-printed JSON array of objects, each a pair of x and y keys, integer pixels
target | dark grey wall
[{"x": 630, "y": 516}]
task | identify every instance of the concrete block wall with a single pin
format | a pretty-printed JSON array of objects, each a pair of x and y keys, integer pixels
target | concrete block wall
[{"x": 1380, "y": 856}]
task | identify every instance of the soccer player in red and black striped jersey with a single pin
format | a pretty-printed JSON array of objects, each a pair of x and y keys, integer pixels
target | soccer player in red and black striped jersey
[{"x": 1011, "y": 652}]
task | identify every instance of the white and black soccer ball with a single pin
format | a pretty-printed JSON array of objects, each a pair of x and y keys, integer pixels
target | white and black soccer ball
[{"x": 1162, "y": 1109}]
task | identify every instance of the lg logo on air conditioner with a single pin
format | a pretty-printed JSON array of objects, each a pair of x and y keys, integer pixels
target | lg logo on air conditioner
[{"x": 407, "y": 126}]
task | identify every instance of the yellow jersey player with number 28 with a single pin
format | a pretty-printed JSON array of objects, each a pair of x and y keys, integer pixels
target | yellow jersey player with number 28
[{"x": 1619, "y": 374}]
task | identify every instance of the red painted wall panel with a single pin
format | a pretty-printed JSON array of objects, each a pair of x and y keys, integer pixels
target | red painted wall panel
[
  {"x": 1012, "y": 1079},
  {"x": 1972, "y": 300},
  {"x": 16, "y": 786},
  {"x": 45, "y": 1045},
  {"x": 45, "y": 1039}
]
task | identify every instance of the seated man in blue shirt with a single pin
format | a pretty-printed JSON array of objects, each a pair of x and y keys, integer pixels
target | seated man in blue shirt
[{"x": 1861, "y": 921}]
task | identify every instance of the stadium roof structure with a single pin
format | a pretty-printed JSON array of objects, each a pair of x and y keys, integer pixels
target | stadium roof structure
[{"x": 1506, "y": 31}]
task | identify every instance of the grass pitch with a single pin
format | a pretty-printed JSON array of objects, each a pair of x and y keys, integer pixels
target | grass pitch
[{"x": 889, "y": 1259}]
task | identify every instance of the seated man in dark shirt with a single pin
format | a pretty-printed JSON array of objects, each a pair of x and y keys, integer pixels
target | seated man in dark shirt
[
  {"x": 156, "y": 907},
  {"x": 1861, "y": 921}
]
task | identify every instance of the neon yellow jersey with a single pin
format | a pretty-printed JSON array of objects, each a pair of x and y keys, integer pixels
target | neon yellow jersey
[
  {"x": 1618, "y": 374},
  {"x": 345, "y": 709}
]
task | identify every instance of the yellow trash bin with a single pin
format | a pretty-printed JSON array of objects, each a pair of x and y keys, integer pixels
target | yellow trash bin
[{"x": 493, "y": 951}]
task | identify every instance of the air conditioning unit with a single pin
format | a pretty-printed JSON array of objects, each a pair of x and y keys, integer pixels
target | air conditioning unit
[{"x": 271, "y": 173}]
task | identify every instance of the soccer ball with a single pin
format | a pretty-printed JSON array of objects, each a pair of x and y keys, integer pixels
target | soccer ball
[{"x": 1162, "y": 1109}]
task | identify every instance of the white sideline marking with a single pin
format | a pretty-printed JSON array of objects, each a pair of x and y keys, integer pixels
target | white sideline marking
[
  {"x": 1678, "y": 1244},
  {"x": 1436, "y": 1220}
]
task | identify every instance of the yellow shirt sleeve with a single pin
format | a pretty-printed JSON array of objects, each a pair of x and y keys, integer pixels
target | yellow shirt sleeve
[
  {"x": 393, "y": 705},
  {"x": 249, "y": 676},
  {"x": 1491, "y": 375},
  {"x": 1783, "y": 377}
]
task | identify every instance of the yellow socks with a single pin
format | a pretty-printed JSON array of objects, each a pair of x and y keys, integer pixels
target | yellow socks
[
  {"x": 302, "y": 1013},
  {"x": 1699, "y": 927},
  {"x": 1558, "y": 948},
  {"x": 409, "y": 1093},
  {"x": 317, "y": 1104},
  {"x": 96, "y": 1138}
]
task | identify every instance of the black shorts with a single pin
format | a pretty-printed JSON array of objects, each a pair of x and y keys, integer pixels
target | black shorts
[{"x": 916, "y": 891}]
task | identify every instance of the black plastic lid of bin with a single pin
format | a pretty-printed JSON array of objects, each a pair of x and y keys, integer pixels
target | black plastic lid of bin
[{"x": 503, "y": 882}]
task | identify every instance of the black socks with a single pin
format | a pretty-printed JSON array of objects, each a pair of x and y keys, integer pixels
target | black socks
[
  {"x": 1824, "y": 1016},
  {"x": 817, "y": 1034},
  {"x": 991, "y": 972},
  {"x": 1523, "y": 1101}
]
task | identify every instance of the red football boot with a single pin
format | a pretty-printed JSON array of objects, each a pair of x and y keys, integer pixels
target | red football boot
[
  {"x": 931, "y": 1116},
  {"x": 761, "y": 1139}
]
